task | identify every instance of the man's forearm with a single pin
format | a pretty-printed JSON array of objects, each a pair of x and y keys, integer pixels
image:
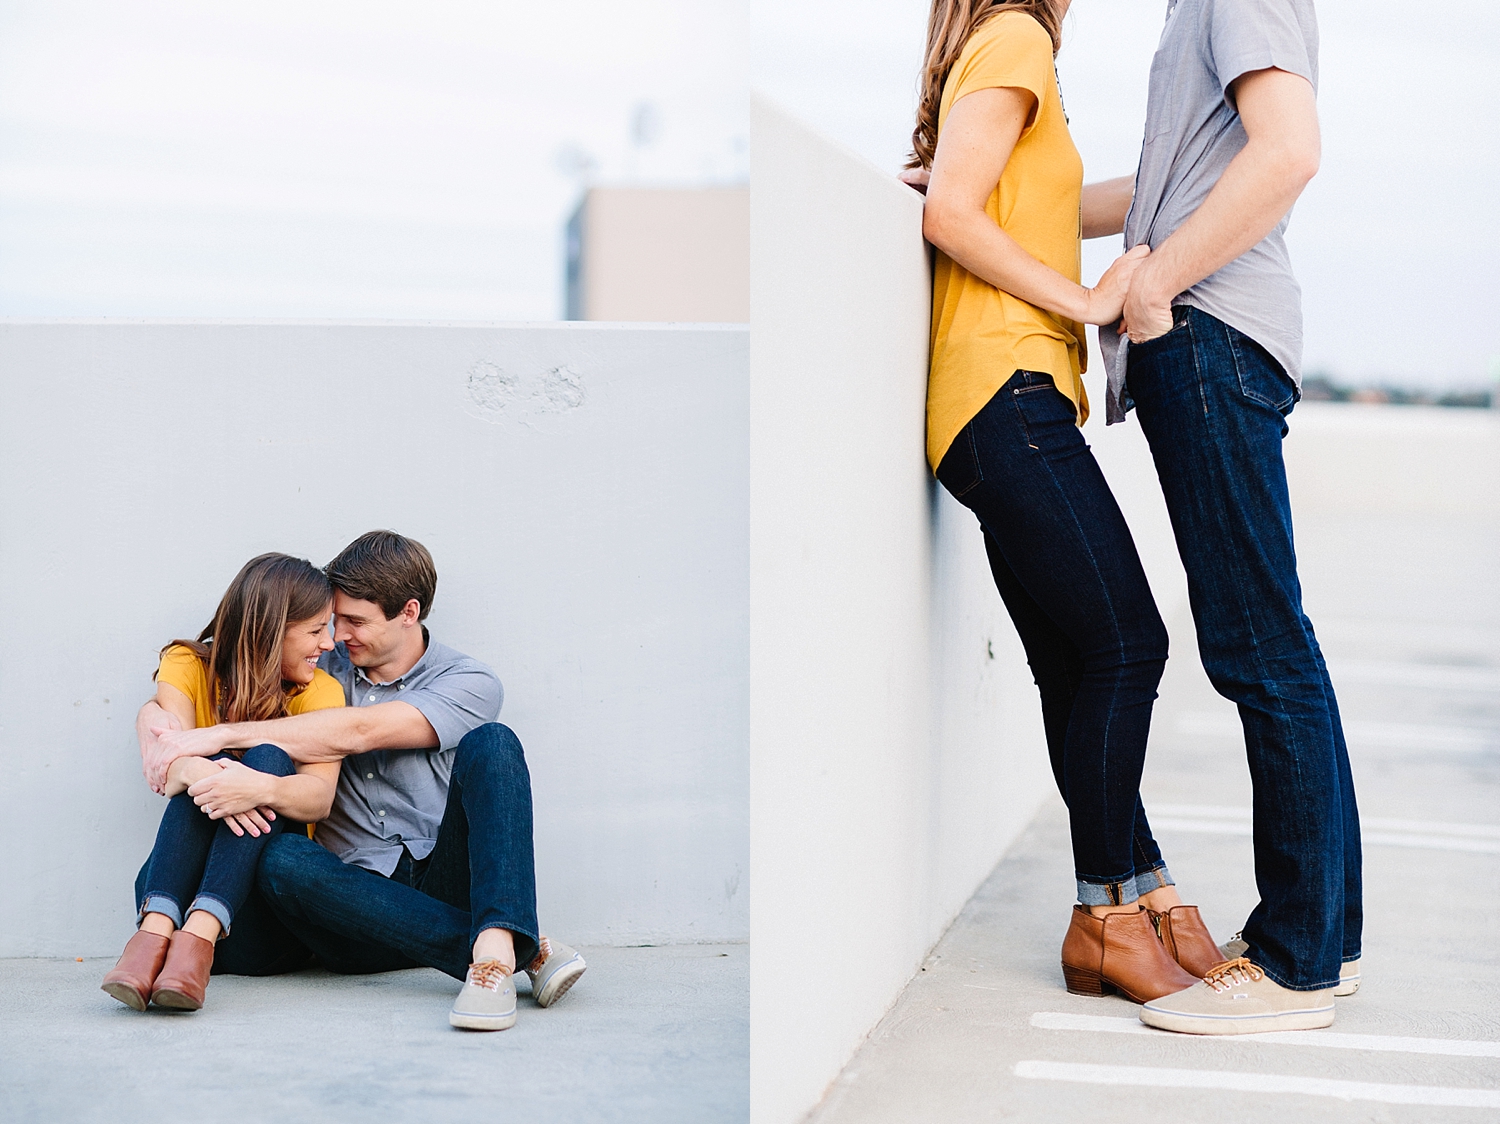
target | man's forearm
[
  {"x": 332, "y": 735},
  {"x": 323, "y": 735},
  {"x": 1104, "y": 205},
  {"x": 1253, "y": 195}
]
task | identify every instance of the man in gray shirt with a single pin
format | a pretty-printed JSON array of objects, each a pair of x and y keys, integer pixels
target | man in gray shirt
[
  {"x": 426, "y": 857},
  {"x": 1209, "y": 355}
]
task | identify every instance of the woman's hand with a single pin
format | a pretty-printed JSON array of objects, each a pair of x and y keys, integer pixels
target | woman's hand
[
  {"x": 1106, "y": 300},
  {"x": 239, "y": 794},
  {"x": 915, "y": 178}
]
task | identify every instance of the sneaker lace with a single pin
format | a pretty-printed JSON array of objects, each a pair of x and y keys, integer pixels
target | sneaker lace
[
  {"x": 489, "y": 974},
  {"x": 1224, "y": 976},
  {"x": 543, "y": 954}
]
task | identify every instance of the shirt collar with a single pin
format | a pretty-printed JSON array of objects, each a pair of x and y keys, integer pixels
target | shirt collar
[{"x": 359, "y": 672}]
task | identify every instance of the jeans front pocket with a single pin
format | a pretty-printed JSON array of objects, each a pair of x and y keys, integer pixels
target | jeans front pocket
[{"x": 1180, "y": 315}]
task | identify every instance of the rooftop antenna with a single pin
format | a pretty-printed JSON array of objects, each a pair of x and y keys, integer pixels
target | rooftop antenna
[{"x": 645, "y": 127}]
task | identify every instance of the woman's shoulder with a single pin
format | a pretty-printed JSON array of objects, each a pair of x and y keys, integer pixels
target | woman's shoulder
[
  {"x": 179, "y": 660},
  {"x": 1009, "y": 49},
  {"x": 323, "y": 693},
  {"x": 1014, "y": 29}
]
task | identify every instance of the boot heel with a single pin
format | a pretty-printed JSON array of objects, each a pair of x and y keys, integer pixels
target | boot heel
[{"x": 1081, "y": 981}]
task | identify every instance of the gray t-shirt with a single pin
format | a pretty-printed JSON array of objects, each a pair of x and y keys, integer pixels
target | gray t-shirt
[
  {"x": 388, "y": 799},
  {"x": 1192, "y": 133}
]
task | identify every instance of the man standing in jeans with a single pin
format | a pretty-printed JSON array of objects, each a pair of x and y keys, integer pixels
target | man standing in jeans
[
  {"x": 1212, "y": 367},
  {"x": 426, "y": 857}
]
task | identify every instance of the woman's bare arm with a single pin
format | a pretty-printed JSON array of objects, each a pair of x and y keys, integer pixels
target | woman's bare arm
[{"x": 978, "y": 138}]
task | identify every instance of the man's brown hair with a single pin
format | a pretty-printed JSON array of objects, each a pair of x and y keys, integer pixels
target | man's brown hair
[{"x": 388, "y": 569}]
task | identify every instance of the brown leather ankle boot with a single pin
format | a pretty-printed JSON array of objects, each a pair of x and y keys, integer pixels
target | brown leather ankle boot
[
  {"x": 184, "y": 977},
  {"x": 1186, "y": 939},
  {"x": 1119, "y": 952},
  {"x": 131, "y": 979}
]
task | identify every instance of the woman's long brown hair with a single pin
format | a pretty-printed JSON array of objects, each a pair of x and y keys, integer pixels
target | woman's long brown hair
[
  {"x": 241, "y": 646},
  {"x": 949, "y": 27}
]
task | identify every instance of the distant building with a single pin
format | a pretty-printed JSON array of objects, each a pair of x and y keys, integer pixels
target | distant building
[{"x": 643, "y": 253}]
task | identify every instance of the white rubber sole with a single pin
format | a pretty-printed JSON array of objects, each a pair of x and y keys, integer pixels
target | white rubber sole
[
  {"x": 482, "y": 1022},
  {"x": 560, "y": 981},
  {"x": 1314, "y": 1018},
  {"x": 1347, "y": 986}
]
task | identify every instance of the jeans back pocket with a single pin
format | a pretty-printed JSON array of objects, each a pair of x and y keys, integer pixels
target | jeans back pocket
[{"x": 959, "y": 468}]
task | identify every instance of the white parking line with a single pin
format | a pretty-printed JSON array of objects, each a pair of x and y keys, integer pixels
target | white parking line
[
  {"x": 1150, "y": 1076},
  {"x": 1328, "y": 1039},
  {"x": 1217, "y": 819},
  {"x": 1361, "y": 735},
  {"x": 1429, "y": 827},
  {"x": 1417, "y": 675}
]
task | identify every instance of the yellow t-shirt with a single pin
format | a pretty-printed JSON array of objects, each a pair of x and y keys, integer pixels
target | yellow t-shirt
[
  {"x": 980, "y": 334},
  {"x": 185, "y": 671}
]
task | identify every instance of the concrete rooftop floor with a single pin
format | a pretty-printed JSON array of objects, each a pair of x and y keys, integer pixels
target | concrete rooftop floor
[
  {"x": 1408, "y": 611},
  {"x": 649, "y": 1034}
]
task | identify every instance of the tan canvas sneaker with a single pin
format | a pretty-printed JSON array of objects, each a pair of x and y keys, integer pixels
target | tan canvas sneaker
[
  {"x": 554, "y": 971},
  {"x": 1349, "y": 975},
  {"x": 487, "y": 1000},
  {"x": 1238, "y": 998}
]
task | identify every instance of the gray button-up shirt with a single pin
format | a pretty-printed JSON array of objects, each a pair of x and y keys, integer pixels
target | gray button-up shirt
[
  {"x": 393, "y": 798},
  {"x": 1192, "y": 133}
]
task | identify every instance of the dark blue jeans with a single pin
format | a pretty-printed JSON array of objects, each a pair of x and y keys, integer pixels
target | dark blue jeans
[
  {"x": 198, "y": 863},
  {"x": 1069, "y": 575},
  {"x": 1212, "y": 404},
  {"x": 480, "y": 875}
]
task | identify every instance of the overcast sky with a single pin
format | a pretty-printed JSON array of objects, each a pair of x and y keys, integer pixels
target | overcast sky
[
  {"x": 339, "y": 158},
  {"x": 353, "y": 158},
  {"x": 1397, "y": 241}
]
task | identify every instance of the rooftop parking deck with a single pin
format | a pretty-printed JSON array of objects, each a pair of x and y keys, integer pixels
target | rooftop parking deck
[{"x": 1399, "y": 545}]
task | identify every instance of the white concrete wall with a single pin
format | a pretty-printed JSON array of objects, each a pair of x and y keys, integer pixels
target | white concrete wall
[
  {"x": 583, "y": 488},
  {"x": 893, "y": 756}
]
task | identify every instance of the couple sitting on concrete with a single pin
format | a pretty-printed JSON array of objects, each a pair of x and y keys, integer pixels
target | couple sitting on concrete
[
  {"x": 263, "y": 727},
  {"x": 1201, "y": 326}
]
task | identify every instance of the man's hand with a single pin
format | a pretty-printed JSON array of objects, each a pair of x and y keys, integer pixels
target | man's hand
[
  {"x": 1148, "y": 307},
  {"x": 239, "y": 794},
  {"x": 1108, "y": 296},
  {"x": 172, "y": 742},
  {"x": 152, "y": 717}
]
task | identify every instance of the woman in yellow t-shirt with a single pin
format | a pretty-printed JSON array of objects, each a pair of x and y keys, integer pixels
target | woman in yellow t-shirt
[
  {"x": 1006, "y": 209},
  {"x": 256, "y": 660}
]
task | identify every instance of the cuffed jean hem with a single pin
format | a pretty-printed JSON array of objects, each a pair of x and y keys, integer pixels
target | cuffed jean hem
[
  {"x": 1119, "y": 892},
  {"x": 1153, "y": 879},
  {"x": 164, "y": 904},
  {"x": 217, "y": 907},
  {"x": 1276, "y": 978},
  {"x": 1123, "y": 891}
]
